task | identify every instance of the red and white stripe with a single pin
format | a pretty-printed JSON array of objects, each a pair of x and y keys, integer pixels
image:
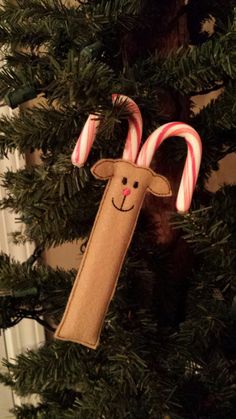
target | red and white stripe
[
  {"x": 134, "y": 136},
  {"x": 85, "y": 141},
  {"x": 192, "y": 163},
  {"x": 87, "y": 136}
]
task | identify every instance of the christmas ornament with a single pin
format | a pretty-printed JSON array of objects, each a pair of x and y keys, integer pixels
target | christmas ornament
[{"x": 129, "y": 179}]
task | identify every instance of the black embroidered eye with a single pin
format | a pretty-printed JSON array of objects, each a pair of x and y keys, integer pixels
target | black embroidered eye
[
  {"x": 135, "y": 185},
  {"x": 124, "y": 180}
]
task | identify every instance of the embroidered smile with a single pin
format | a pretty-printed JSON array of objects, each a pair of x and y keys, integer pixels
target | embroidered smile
[{"x": 121, "y": 208}]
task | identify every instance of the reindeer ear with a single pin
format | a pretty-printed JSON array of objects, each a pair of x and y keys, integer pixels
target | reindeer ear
[
  {"x": 103, "y": 169},
  {"x": 159, "y": 186}
]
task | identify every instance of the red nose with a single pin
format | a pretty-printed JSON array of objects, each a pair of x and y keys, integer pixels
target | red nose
[{"x": 126, "y": 191}]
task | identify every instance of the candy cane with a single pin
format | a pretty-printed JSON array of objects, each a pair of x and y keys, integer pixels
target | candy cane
[
  {"x": 193, "y": 160},
  {"x": 85, "y": 141},
  {"x": 133, "y": 139},
  {"x": 88, "y": 134}
]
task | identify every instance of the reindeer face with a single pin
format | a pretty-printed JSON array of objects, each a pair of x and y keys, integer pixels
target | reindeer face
[{"x": 129, "y": 183}]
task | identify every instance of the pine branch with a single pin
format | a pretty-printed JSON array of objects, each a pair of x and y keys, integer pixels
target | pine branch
[
  {"x": 52, "y": 202},
  {"x": 107, "y": 375},
  {"x": 207, "y": 91},
  {"x": 212, "y": 237},
  {"x": 43, "y": 128},
  {"x": 216, "y": 127},
  {"x": 191, "y": 70},
  {"x": 42, "y": 411},
  {"x": 218, "y": 116},
  {"x": 18, "y": 29},
  {"x": 80, "y": 80},
  {"x": 115, "y": 8},
  {"x": 31, "y": 291},
  {"x": 25, "y": 69}
]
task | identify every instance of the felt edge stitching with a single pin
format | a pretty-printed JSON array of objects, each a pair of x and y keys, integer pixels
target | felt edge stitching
[
  {"x": 97, "y": 165},
  {"x": 61, "y": 324},
  {"x": 161, "y": 194}
]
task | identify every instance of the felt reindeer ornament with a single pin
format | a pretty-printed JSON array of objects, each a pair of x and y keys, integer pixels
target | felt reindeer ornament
[{"x": 129, "y": 179}]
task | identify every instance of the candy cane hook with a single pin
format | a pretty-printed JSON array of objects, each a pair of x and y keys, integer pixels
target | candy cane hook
[
  {"x": 88, "y": 134},
  {"x": 133, "y": 139},
  {"x": 192, "y": 163}
]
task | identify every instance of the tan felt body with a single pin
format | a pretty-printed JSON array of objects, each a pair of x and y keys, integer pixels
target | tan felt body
[{"x": 109, "y": 240}]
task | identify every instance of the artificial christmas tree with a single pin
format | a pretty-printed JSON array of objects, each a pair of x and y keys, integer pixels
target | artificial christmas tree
[{"x": 168, "y": 344}]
